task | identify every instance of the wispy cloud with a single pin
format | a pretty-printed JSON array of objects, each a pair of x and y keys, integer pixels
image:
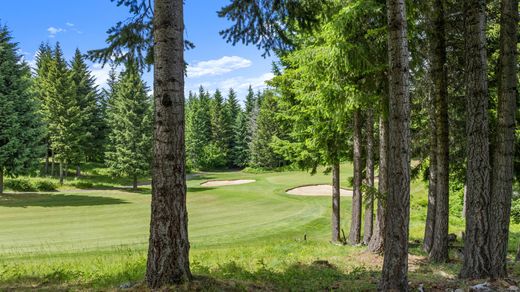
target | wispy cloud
[
  {"x": 220, "y": 66},
  {"x": 53, "y": 31}
]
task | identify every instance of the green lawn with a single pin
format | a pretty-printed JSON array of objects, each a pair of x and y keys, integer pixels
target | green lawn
[{"x": 242, "y": 237}]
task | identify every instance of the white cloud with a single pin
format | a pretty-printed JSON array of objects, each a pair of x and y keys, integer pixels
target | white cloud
[
  {"x": 241, "y": 83},
  {"x": 69, "y": 24},
  {"x": 101, "y": 74},
  {"x": 220, "y": 66},
  {"x": 53, "y": 31}
]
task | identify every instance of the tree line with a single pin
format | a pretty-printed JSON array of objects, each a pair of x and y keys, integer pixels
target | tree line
[{"x": 56, "y": 112}]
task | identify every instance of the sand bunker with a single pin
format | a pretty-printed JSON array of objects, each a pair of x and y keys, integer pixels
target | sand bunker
[
  {"x": 219, "y": 183},
  {"x": 317, "y": 190}
]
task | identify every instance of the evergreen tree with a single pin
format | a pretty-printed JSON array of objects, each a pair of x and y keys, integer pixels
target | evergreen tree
[
  {"x": 241, "y": 140},
  {"x": 268, "y": 127},
  {"x": 43, "y": 60},
  {"x": 130, "y": 133},
  {"x": 20, "y": 125},
  {"x": 63, "y": 112},
  {"x": 231, "y": 112},
  {"x": 219, "y": 127},
  {"x": 200, "y": 132},
  {"x": 87, "y": 98}
]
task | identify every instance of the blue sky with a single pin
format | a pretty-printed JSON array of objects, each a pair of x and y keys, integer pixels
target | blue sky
[{"x": 83, "y": 24}]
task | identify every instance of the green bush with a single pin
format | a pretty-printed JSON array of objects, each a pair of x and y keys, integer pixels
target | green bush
[
  {"x": 515, "y": 211},
  {"x": 45, "y": 185},
  {"x": 20, "y": 185},
  {"x": 82, "y": 185}
]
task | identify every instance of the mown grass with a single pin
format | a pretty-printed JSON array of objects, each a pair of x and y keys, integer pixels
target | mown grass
[{"x": 243, "y": 237}]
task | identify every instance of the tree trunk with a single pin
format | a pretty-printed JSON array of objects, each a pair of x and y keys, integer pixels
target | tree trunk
[
  {"x": 432, "y": 183},
  {"x": 369, "y": 200},
  {"x": 46, "y": 168},
  {"x": 335, "y": 203},
  {"x": 134, "y": 183},
  {"x": 52, "y": 163},
  {"x": 439, "y": 250},
  {"x": 355, "y": 223},
  {"x": 78, "y": 171},
  {"x": 1, "y": 180},
  {"x": 476, "y": 263},
  {"x": 395, "y": 264},
  {"x": 168, "y": 251},
  {"x": 61, "y": 173},
  {"x": 502, "y": 179},
  {"x": 376, "y": 244}
]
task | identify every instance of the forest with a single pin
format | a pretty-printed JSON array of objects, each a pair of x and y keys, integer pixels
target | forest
[{"x": 402, "y": 113}]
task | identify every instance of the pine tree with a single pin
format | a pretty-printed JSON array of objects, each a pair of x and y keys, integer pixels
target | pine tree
[
  {"x": 87, "y": 99},
  {"x": 219, "y": 130},
  {"x": 231, "y": 112},
  {"x": 268, "y": 127},
  {"x": 63, "y": 113},
  {"x": 130, "y": 134},
  {"x": 21, "y": 130},
  {"x": 43, "y": 60},
  {"x": 200, "y": 129},
  {"x": 241, "y": 140}
]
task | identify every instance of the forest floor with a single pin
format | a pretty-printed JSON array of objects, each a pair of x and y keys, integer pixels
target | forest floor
[{"x": 243, "y": 237}]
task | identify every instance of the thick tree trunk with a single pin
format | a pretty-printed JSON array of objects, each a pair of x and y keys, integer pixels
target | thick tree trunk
[
  {"x": 395, "y": 264},
  {"x": 168, "y": 251},
  {"x": 78, "y": 171},
  {"x": 61, "y": 173},
  {"x": 369, "y": 200},
  {"x": 1, "y": 180},
  {"x": 432, "y": 182},
  {"x": 376, "y": 244},
  {"x": 476, "y": 248},
  {"x": 439, "y": 250},
  {"x": 335, "y": 203},
  {"x": 502, "y": 181},
  {"x": 355, "y": 223}
]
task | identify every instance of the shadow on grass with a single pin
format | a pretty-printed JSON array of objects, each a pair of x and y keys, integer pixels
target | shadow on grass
[
  {"x": 199, "y": 189},
  {"x": 24, "y": 200}
]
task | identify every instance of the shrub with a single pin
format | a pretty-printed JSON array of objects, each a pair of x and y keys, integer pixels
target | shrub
[
  {"x": 515, "y": 211},
  {"x": 20, "y": 185},
  {"x": 82, "y": 185},
  {"x": 45, "y": 185}
]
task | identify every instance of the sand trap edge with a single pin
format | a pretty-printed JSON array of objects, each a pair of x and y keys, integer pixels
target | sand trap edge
[
  {"x": 221, "y": 183},
  {"x": 310, "y": 190}
]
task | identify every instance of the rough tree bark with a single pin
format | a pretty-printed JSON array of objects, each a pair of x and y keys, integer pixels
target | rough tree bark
[
  {"x": 395, "y": 264},
  {"x": 376, "y": 244},
  {"x": 355, "y": 223},
  {"x": 432, "y": 181},
  {"x": 476, "y": 262},
  {"x": 369, "y": 200},
  {"x": 439, "y": 250},
  {"x": 335, "y": 203},
  {"x": 168, "y": 251},
  {"x": 502, "y": 182}
]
